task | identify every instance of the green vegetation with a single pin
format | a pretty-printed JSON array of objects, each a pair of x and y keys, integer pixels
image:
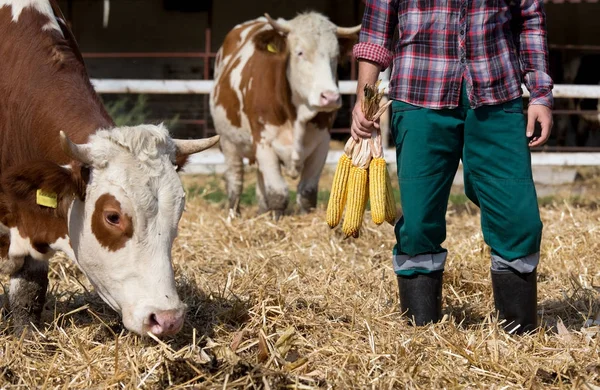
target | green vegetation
[
  {"x": 213, "y": 190},
  {"x": 130, "y": 111}
]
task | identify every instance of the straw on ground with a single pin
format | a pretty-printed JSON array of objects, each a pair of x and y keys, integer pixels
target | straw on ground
[{"x": 294, "y": 305}]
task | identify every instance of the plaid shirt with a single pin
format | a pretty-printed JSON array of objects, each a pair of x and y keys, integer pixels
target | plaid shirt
[{"x": 493, "y": 45}]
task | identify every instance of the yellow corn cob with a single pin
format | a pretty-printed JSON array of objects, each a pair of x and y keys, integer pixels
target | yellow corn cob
[
  {"x": 377, "y": 189},
  {"x": 390, "y": 201},
  {"x": 337, "y": 198},
  {"x": 358, "y": 194}
]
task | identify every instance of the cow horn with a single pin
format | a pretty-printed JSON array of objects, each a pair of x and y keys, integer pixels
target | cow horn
[
  {"x": 279, "y": 26},
  {"x": 190, "y": 146},
  {"x": 79, "y": 153},
  {"x": 343, "y": 32}
]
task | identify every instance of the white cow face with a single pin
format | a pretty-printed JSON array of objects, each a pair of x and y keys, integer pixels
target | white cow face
[
  {"x": 122, "y": 233},
  {"x": 314, "y": 49}
]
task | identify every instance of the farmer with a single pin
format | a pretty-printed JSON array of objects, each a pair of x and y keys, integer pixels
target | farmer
[{"x": 457, "y": 69}]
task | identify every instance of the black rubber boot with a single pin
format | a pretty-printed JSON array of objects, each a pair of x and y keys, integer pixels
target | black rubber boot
[
  {"x": 515, "y": 298},
  {"x": 421, "y": 297}
]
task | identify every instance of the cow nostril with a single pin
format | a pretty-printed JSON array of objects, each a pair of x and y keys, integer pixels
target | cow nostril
[{"x": 153, "y": 321}]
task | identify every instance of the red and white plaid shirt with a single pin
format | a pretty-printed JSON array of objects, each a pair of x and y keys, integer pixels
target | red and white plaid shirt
[{"x": 493, "y": 45}]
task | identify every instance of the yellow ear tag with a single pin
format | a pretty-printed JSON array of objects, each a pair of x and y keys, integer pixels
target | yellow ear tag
[
  {"x": 48, "y": 199},
  {"x": 271, "y": 47}
]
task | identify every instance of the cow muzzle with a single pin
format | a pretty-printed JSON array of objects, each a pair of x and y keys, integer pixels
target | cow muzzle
[
  {"x": 166, "y": 322},
  {"x": 330, "y": 100}
]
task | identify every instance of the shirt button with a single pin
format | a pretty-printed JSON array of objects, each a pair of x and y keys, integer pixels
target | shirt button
[
  {"x": 462, "y": 32},
  {"x": 463, "y": 60}
]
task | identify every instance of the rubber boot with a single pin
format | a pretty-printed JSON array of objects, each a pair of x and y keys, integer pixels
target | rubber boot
[
  {"x": 421, "y": 297},
  {"x": 515, "y": 298}
]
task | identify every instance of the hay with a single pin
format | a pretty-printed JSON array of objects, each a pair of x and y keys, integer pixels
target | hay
[{"x": 293, "y": 305}]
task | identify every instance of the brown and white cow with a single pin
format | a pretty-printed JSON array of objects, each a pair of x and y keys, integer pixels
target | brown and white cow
[
  {"x": 274, "y": 102},
  {"x": 111, "y": 198}
]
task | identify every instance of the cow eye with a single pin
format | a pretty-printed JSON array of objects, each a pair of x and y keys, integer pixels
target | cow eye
[
  {"x": 300, "y": 53},
  {"x": 113, "y": 218}
]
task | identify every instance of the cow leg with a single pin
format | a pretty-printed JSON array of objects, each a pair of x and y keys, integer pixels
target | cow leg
[
  {"x": 234, "y": 176},
  {"x": 308, "y": 188},
  {"x": 261, "y": 198},
  {"x": 275, "y": 188},
  {"x": 27, "y": 293}
]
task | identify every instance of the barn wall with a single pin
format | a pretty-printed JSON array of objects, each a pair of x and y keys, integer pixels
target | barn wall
[
  {"x": 340, "y": 12},
  {"x": 145, "y": 26},
  {"x": 135, "y": 25},
  {"x": 573, "y": 24},
  {"x": 138, "y": 26}
]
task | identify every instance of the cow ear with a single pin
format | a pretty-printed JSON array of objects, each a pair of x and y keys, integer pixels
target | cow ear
[
  {"x": 180, "y": 161},
  {"x": 270, "y": 42},
  {"x": 58, "y": 185}
]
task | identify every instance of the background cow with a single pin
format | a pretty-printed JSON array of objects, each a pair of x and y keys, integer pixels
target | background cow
[
  {"x": 274, "y": 101},
  {"x": 112, "y": 202}
]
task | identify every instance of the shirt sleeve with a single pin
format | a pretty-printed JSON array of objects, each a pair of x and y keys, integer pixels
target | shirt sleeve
[
  {"x": 533, "y": 52},
  {"x": 378, "y": 24}
]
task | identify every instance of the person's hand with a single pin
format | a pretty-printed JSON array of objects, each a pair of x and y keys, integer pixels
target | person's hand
[
  {"x": 543, "y": 115},
  {"x": 361, "y": 127}
]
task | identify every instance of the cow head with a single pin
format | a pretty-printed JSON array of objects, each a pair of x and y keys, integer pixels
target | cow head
[
  {"x": 122, "y": 233},
  {"x": 121, "y": 199},
  {"x": 312, "y": 44}
]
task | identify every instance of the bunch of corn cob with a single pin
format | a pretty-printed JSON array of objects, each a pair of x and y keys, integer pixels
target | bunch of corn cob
[{"x": 361, "y": 174}]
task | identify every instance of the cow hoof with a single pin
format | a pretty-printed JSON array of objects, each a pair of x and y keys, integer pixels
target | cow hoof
[
  {"x": 23, "y": 323},
  {"x": 232, "y": 214},
  {"x": 23, "y": 330},
  {"x": 277, "y": 214},
  {"x": 304, "y": 211},
  {"x": 277, "y": 202},
  {"x": 307, "y": 199}
]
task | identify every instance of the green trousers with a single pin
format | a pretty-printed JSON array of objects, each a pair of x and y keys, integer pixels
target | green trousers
[{"x": 493, "y": 147}]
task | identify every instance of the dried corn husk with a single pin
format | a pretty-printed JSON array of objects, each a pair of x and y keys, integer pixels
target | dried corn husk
[
  {"x": 362, "y": 153},
  {"x": 338, "y": 194}
]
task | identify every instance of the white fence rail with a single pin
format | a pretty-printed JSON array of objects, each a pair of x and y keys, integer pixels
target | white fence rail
[
  {"x": 213, "y": 161},
  {"x": 346, "y": 87}
]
